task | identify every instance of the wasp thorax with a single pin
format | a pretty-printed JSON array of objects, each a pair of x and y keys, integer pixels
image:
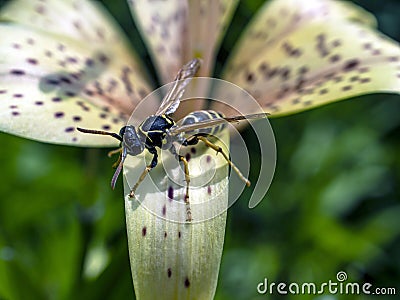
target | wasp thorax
[{"x": 131, "y": 140}]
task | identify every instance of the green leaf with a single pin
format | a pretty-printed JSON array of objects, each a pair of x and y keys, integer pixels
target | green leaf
[{"x": 296, "y": 55}]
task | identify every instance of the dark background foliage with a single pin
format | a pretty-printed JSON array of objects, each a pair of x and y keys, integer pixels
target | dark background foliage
[{"x": 333, "y": 205}]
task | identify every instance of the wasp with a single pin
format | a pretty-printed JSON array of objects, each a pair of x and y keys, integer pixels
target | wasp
[{"x": 160, "y": 131}]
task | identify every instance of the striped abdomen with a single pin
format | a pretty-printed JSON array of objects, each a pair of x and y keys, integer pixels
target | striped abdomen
[{"x": 203, "y": 115}]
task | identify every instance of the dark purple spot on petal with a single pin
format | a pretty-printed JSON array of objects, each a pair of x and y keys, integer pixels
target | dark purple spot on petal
[
  {"x": 16, "y": 46},
  {"x": 82, "y": 105},
  {"x": 18, "y": 95},
  {"x": 103, "y": 115},
  {"x": 56, "y": 99},
  {"x": 187, "y": 282},
  {"x": 40, "y": 9},
  {"x": 323, "y": 91},
  {"x": 60, "y": 47},
  {"x": 89, "y": 92},
  {"x": 171, "y": 193},
  {"x": 76, "y": 118},
  {"x": 3, "y": 91},
  {"x": 296, "y": 101},
  {"x": 209, "y": 190},
  {"x": 354, "y": 78},
  {"x": 165, "y": 234},
  {"x": 69, "y": 129},
  {"x": 17, "y": 72},
  {"x": 72, "y": 60},
  {"x": 208, "y": 159},
  {"x": 164, "y": 210},
  {"x": 13, "y": 106},
  {"x": 77, "y": 25},
  {"x": 69, "y": 94},
  {"x": 103, "y": 59},
  {"x": 376, "y": 52},
  {"x": 39, "y": 103},
  {"x": 65, "y": 80},
  {"x": 263, "y": 67},
  {"x": 52, "y": 81},
  {"x": 48, "y": 53},
  {"x": 89, "y": 62},
  {"x": 336, "y": 43},
  {"x": 351, "y": 65},
  {"x": 106, "y": 127},
  {"x": 363, "y": 70},
  {"x": 334, "y": 58},
  {"x": 366, "y": 80},
  {"x": 193, "y": 150},
  {"x": 144, "y": 231},
  {"x": 367, "y": 46},
  {"x": 32, "y": 61},
  {"x": 15, "y": 113},
  {"x": 169, "y": 272},
  {"x": 179, "y": 234},
  {"x": 285, "y": 73},
  {"x": 250, "y": 77},
  {"x": 347, "y": 88},
  {"x": 188, "y": 156},
  {"x": 142, "y": 93},
  {"x": 59, "y": 114},
  {"x": 100, "y": 33}
]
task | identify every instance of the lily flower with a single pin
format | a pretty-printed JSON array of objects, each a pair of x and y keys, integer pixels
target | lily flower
[{"x": 68, "y": 63}]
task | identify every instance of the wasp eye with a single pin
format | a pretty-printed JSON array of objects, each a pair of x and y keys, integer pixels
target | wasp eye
[
  {"x": 131, "y": 140},
  {"x": 122, "y": 131}
]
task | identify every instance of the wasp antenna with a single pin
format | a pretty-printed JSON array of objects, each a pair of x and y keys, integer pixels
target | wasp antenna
[
  {"x": 118, "y": 170},
  {"x": 115, "y": 176},
  {"x": 114, "y": 135}
]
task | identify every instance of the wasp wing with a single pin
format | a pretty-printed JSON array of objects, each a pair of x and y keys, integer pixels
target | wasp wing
[
  {"x": 214, "y": 122},
  {"x": 173, "y": 97}
]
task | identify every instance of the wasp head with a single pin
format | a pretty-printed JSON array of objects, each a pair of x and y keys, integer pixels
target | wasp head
[{"x": 131, "y": 140}]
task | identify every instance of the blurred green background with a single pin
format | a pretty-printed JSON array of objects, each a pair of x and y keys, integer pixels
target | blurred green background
[{"x": 334, "y": 204}]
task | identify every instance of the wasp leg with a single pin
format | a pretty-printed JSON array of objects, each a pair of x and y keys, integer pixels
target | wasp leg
[
  {"x": 195, "y": 139},
  {"x": 112, "y": 152},
  {"x": 187, "y": 179},
  {"x": 153, "y": 163}
]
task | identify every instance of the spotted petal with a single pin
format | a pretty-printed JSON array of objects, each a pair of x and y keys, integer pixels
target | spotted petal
[
  {"x": 208, "y": 20},
  {"x": 59, "y": 70},
  {"x": 300, "y": 54},
  {"x": 169, "y": 256},
  {"x": 178, "y": 30}
]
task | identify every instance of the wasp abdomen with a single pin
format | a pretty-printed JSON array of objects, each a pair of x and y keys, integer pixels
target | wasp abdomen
[{"x": 203, "y": 115}]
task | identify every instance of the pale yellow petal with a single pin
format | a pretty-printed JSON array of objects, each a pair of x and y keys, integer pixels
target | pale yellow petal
[
  {"x": 171, "y": 259},
  {"x": 296, "y": 55},
  {"x": 60, "y": 70}
]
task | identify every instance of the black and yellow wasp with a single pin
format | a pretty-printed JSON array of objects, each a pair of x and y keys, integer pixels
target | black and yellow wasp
[{"x": 160, "y": 131}]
